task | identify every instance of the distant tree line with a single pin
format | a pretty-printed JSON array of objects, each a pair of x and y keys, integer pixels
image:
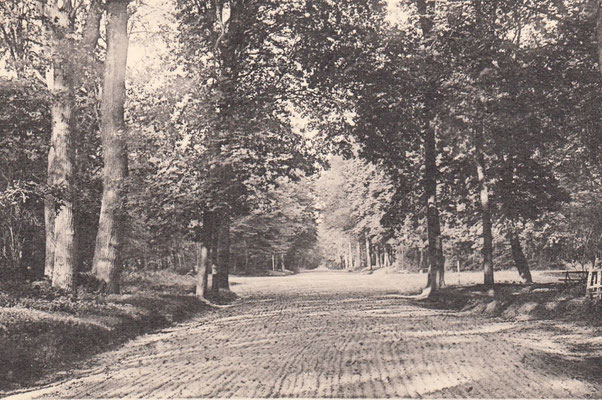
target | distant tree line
[
  {"x": 484, "y": 117},
  {"x": 475, "y": 126}
]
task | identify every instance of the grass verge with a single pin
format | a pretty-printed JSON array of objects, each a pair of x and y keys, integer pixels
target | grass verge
[
  {"x": 43, "y": 330},
  {"x": 557, "y": 301}
]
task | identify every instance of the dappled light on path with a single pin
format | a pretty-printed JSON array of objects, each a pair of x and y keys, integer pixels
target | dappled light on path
[{"x": 339, "y": 335}]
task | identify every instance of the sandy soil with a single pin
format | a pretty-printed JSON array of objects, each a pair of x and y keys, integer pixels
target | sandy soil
[{"x": 335, "y": 334}]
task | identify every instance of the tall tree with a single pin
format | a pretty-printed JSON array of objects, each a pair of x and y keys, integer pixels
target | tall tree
[
  {"x": 431, "y": 172},
  {"x": 109, "y": 240},
  {"x": 237, "y": 51},
  {"x": 60, "y": 246},
  {"x": 599, "y": 33},
  {"x": 68, "y": 73}
]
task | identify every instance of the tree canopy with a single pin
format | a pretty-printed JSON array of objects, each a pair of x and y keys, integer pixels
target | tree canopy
[{"x": 408, "y": 133}]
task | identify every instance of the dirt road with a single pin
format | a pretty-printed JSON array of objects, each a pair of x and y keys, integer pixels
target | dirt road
[{"x": 328, "y": 334}]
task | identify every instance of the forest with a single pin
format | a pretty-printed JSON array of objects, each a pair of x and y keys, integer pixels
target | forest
[{"x": 234, "y": 136}]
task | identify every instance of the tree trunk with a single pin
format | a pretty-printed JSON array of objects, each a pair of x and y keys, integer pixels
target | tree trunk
[
  {"x": 214, "y": 257},
  {"x": 487, "y": 235},
  {"x": 401, "y": 256},
  {"x": 60, "y": 246},
  {"x": 349, "y": 254},
  {"x": 91, "y": 31},
  {"x": 599, "y": 34},
  {"x": 109, "y": 240},
  {"x": 362, "y": 252},
  {"x": 173, "y": 257},
  {"x": 282, "y": 261},
  {"x": 87, "y": 76},
  {"x": 223, "y": 276},
  {"x": 202, "y": 270},
  {"x": 246, "y": 256},
  {"x": 441, "y": 264},
  {"x": 273, "y": 262},
  {"x": 435, "y": 247},
  {"x": 368, "y": 258},
  {"x": 49, "y": 217},
  {"x": 520, "y": 261}
]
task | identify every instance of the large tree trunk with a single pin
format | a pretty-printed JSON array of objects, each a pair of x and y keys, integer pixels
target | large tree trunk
[
  {"x": 487, "y": 234},
  {"x": 214, "y": 256},
  {"x": 92, "y": 29},
  {"x": 599, "y": 34},
  {"x": 60, "y": 248},
  {"x": 386, "y": 259},
  {"x": 435, "y": 246},
  {"x": 202, "y": 270},
  {"x": 49, "y": 217},
  {"x": 520, "y": 261},
  {"x": 246, "y": 256},
  {"x": 109, "y": 240},
  {"x": 349, "y": 254},
  {"x": 362, "y": 252},
  {"x": 368, "y": 258},
  {"x": 223, "y": 276},
  {"x": 87, "y": 76}
]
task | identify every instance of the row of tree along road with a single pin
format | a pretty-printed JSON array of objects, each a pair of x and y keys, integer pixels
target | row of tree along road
[{"x": 460, "y": 128}]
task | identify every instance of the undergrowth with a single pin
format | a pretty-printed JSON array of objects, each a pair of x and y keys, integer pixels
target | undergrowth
[
  {"x": 556, "y": 301},
  {"x": 43, "y": 329}
]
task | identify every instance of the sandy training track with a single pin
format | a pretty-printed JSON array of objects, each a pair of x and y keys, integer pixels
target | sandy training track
[{"x": 327, "y": 334}]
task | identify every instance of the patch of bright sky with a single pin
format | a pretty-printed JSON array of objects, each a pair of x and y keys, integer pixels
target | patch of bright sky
[
  {"x": 152, "y": 26},
  {"x": 397, "y": 13}
]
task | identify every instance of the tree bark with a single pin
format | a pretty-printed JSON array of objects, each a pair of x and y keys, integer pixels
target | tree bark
[
  {"x": 349, "y": 254},
  {"x": 487, "y": 234},
  {"x": 88, "y": 72},
  {"x": 60, "y": 248},
  {"x": 49, "y": 217},
  {"x": 214, "y": 255},
  {"x": 435, "y": 247},
  {"x": 358, "y": 253},
  {"x": 386, "y": 259},
  {"x": 599, "y": 34},
  {"x": 109, "y": 240},
  {"x": 520, "y": 261},
  {"x": 368, "y": 258},
  {"x": 246, "y": 256},
  {"x": 202, "y": 270},
  {"x": 223, "y": 275},
  {"x": 441, "y": 264},
  {"x": 91, "y": 32},
  {"x": 362, "y": 252}
]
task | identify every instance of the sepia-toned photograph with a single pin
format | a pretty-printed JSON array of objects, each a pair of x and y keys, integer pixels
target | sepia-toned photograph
[{"x": 315, "y": 199}]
